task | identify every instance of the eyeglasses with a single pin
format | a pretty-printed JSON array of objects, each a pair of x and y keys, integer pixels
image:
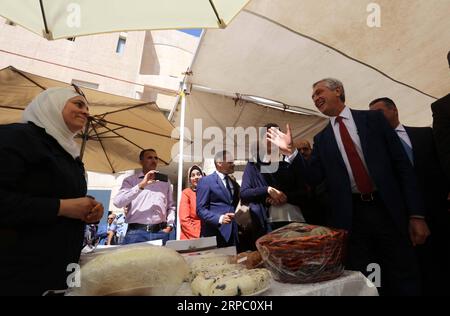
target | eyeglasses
[{"x": 79, "y": 91}]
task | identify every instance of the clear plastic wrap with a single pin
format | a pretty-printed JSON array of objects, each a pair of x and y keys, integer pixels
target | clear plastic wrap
[{"x": 303, "y": 253}]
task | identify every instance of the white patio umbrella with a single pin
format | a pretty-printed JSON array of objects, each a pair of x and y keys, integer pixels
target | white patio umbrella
[
  {"x": 70, "y": 18},
  {"x": 119, "y": 127}
]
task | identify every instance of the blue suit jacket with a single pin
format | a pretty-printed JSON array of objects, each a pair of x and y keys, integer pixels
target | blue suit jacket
[
  {"x": 387, "y": 164},
  {"x": 214, "y": 200}
]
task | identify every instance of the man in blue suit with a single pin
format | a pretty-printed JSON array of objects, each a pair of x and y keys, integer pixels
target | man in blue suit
[
  {"x": 372, "y": 187},
  {"x": 217, "y": 199}
]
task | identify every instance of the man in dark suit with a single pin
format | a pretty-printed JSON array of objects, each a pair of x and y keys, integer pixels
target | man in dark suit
[
  {"x": 217, "y": 199},
  {"x": 441, "y": 129},
  {"x": 372, "y": 186},
  {"x": 419, "y": 146}
]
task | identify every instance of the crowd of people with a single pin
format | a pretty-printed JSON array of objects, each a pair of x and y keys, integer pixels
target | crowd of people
[{"x": 385, "y": 183}]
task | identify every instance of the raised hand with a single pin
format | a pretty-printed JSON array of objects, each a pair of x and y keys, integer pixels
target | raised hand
[
  {"x": 282, "y": 140},
  {"x": 149, "y": 178}
]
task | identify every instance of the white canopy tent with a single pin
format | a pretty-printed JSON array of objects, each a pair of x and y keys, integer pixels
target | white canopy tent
[
  {"x": 276, "y": 50},
  {"x": 209, "y": 110},
  {"x": 406, "y": 40}
]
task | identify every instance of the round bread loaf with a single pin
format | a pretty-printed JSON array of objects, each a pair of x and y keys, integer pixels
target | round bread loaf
[{"x": 137, "y": 270}]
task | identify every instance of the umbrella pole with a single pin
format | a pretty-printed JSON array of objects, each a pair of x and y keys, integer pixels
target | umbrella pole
[
  {"x": 85, "y": 138},
  {"x": 47, "y": 33},
  {"x": 181, "y": 155}
]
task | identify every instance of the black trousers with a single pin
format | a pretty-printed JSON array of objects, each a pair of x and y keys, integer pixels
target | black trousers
[{"x": 376, "y": 239}]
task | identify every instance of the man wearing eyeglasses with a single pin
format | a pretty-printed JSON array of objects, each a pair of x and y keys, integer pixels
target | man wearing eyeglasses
[
  {"x": 111, "y": 229},
  {"x": 151, "y": 209}
]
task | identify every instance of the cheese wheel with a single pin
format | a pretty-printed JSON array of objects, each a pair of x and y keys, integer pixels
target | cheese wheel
[{"x": 138, "y": 270}]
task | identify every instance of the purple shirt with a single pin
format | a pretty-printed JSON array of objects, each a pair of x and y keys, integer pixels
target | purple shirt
[{"x": 153, "y": 205}]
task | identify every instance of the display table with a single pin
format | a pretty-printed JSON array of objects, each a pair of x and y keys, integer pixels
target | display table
[{"x": 351, "y": 283}]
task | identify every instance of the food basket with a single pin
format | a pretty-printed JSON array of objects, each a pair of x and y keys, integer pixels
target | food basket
[{"x": 303, "y": 253}]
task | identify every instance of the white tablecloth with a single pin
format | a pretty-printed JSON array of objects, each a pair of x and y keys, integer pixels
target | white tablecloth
[{"x": 351, "y": 283}]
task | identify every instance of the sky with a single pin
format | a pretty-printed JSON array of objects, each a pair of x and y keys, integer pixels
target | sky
[{"x": 193, "y": 32}]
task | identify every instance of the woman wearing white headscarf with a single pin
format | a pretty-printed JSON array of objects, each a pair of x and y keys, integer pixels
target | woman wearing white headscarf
[{"x": 43, "y": 203}]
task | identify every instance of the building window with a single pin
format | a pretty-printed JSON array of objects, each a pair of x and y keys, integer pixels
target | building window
[
  {"x": 121, "y": 44},
  {"x": 86, "y": 84}
]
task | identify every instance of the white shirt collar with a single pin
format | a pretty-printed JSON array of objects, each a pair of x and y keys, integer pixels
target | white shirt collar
[
  {"x": 400, "y": 128},
  {"x": 221, "y": 175},
  {"x": 345, "y": 113}
]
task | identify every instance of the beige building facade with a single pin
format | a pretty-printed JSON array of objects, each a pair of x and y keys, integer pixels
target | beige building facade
[{"x": 146, "y": 65}]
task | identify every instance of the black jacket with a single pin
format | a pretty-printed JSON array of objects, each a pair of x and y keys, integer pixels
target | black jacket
[
  {"x": 441, "y": 129},
  {"x": 35, "y": 244},
  {"x": 429, "y": 173}
]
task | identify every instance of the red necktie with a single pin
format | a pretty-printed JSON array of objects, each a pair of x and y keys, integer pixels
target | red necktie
[{"x": 360, "y": 174}]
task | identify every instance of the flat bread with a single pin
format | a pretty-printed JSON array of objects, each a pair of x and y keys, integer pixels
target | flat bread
[
  {"x": 211, "y": 263},
  {"x": 231, "y": 283}
]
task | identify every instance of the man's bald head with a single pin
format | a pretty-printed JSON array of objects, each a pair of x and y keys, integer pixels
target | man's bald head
[{"x": 304, "y": 147}]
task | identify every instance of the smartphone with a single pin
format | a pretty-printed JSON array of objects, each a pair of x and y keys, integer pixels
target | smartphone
[{"x": 161, "y": 177}]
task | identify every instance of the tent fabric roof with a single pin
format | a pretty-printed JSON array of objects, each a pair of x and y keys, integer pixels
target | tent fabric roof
[
  {"x": 410, "y": 45},
  {"x": 18, "y": 88},
  {"x": 224, "y": 112},
  {"x": 278, "y": 49}
]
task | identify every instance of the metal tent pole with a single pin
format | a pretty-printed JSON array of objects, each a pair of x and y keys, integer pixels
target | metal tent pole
[{"x": 181, "y": 154}]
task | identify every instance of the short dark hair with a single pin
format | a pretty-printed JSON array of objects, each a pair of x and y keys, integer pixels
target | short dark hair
[
  {"x": 142, "y": 153},
  {"x": 388, "y": 102},
  {"x": 221, "y": 155}
]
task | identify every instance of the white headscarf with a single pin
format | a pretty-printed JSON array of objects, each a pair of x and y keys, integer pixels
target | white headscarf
[{"x": 46, "y": 111}]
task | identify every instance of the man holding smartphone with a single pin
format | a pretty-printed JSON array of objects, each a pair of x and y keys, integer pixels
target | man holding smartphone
[{"x": 148, "y": 197}]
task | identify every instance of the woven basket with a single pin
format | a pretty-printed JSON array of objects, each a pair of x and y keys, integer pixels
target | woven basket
[{"x": 303, "y": 253}]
